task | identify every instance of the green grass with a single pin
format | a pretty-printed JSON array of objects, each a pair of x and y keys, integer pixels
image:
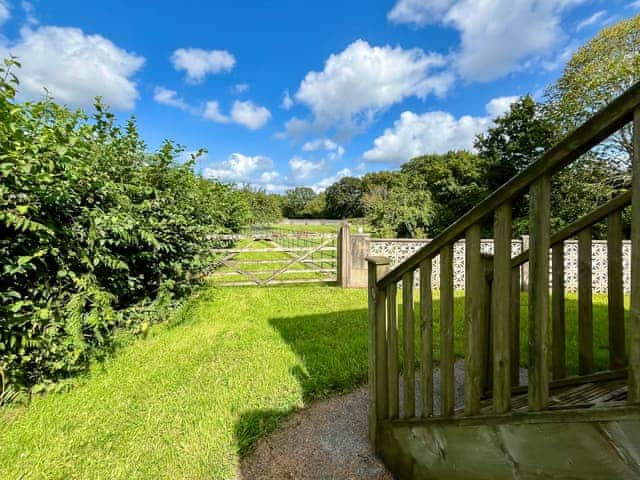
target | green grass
[{"x": 188, "y": 400}]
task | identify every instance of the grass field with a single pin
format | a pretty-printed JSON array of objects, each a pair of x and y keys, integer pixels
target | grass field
[{"x": 191, "y": 398}]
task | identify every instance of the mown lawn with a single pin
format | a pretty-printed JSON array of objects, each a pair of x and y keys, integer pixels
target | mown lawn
[{"x": 191, "y": 398}]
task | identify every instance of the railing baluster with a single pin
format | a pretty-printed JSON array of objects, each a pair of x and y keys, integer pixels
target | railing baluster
[
  {"x": 500, "y": 306},
  {"x": 634, "y": 324},
  {"x": 539, "y": 292},
  {"x": 585, "y": 303},
  {"x": 392, "y": 348},
  {"x": 615, "y": 291},
  {"x": 426, "y": 338},
  {"x": 515, "y": 326},
  {"x": 409, "y": 374},
  {"x": 558, "y": 334},
  {"x": 447, "y": 385},
  {"x": 474, "y": 297}
]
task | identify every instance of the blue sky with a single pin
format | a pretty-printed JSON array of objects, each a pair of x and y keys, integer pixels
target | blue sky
[{"x": 300, "y": 93}]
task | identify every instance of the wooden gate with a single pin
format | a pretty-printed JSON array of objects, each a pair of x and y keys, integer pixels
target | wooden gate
[{"x": 273, "y": 258}]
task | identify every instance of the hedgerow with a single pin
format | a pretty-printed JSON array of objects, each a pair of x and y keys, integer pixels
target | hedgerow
[{"x": 96, "y": 234}]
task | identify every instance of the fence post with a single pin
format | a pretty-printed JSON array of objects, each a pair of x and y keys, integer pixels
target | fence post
[
  {"x": 524, "y": 268},
  {"x": 378, "y": 405},
  {"x": 343, "y": 265}
]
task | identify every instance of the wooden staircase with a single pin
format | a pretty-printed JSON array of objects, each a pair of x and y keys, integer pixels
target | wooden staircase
[{"x": 554, "y": 426}]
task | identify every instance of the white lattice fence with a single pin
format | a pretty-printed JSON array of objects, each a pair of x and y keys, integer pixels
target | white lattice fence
[{"x": 400, "y": 249}]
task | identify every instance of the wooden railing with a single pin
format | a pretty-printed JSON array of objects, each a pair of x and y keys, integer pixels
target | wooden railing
[{"x": 492, "y": 296}]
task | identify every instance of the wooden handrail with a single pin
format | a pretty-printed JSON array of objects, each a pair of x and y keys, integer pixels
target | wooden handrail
[
  {"x": 600, "y": 213},
  {"x": 604, "y": 123}
]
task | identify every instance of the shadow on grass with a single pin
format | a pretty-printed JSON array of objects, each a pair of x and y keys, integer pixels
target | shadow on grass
[{"x": 332, "y": 349}]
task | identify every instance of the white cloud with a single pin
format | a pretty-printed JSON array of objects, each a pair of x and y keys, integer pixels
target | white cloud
[
  {"x": 325, "y": 183},
  {"x": 302, "y": 169},
  {"x": 169, "y": 97},
  {"x": 239, "y": 168},
  {"x": 635, "y": 4},
  {"x": 287, "y": 101},
  {"x": 198, "y": 63},
  {"x": 432, "y": 132},
  {"x": 74, "y": 67},
  {"x": 212, "y": 112},
  {"x": 592, "y": 20},
  {"x": 5, "y": 13},
  {"x": 362, "y": 80},
  {"x": 240, "y": 87},
  {"x": 495, "y": 36},
  {"x": 335, "y": 151},
  {"x": 250, "y": 115}
]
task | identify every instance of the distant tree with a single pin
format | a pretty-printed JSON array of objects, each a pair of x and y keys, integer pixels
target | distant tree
[
  {"x": 296, "y": 200},
  {"x": 344, "y": 198},
  {"x": 597, "y": 73},
  {"x": 517, "y": 139},
  {"x": 454, "y": 182},
  {"x": 265, "y": 207},
  {"x": 317, "y": 207},
  {"x": 384, "y": 179},
  {"x": 399, "y": 211}
]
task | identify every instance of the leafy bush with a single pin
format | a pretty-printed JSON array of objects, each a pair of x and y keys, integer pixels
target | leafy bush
[{"x": 96, "y": 234}]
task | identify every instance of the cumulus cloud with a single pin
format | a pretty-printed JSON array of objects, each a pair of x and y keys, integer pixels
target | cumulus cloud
[
  {"x": 302, "y": 169},
  {"x": 335, "y": 151},
  {"x": 169, "y": 97},
  {"x": 5, "y": 13},
  {"x": 74, "y": 67},
  {"x": 250, "y": 115},
  {"x": 432, "y": 132},
  {"x": 495, "y": 36},
  {"x": 198, "y": 63},
  {"x": 361, "y": 80},
  {"x": 325, "y": 183},
  {"x": 239, "y": 168},
  {"x": 212, "y": 112},
  {"x": 287, "y": 101}
]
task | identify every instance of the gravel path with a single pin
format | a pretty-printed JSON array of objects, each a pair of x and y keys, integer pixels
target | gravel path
[{"x": 328, "y": 440}]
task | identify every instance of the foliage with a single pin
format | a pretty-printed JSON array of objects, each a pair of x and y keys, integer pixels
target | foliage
[
  {"x": 95, "y": 233},
  {"x": 296, "y": 200},
  {"x": 597, "y": 73},
  {"x": 265, "y": 207},
  {"x": 398, "y": 211},
  {"x": 454, "y": 182},
  {"x": 344, "y": 198},
  {"x": 316, "y": 207}
]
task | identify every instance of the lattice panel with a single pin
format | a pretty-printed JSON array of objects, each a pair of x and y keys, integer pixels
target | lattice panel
[{"x": 400, "y": 250}]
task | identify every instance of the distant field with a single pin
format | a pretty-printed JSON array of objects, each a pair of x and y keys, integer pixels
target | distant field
[{"x": 316, "y": 228}]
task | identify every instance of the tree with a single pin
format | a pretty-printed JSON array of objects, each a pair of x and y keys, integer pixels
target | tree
[
  {"x": 296, "y": 200},
  {"x": 344, "y": 198},
  {"x": 317, "y": 207},
  {"x": 454, "y": 182},
  {"x": 517, "y": 139},
  {"x": 596, "y": 74},
  {"x": 265, "y": 207},
  {"x": 401, "y": 211}
]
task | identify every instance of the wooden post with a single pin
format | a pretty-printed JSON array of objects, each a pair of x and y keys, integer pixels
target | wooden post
[
  {"x": 558, "y": 335},
  {"x": 500, "y": 309},
  {"x": 634, "y": 323},
  {"x": 447, "y": 357},
  {"x": 524, "y": 269},
  {"x": 408, "y": 329},
  {"x": 378, "y": 266},
  {"x": 426, "y": 338},
  {"x": 539, "y": 216},
  {"x": 515, "y": 326},
  {"x": 473, "y": 312},
  {"x": 585, "y": 303},
  {"x": 615, "y": 292},
  {"x": 344, "y": 256},
  {"x": 392, "y": 348}
]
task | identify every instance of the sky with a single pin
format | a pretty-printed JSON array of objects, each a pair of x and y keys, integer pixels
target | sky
[{"x": 299, "y": 93}]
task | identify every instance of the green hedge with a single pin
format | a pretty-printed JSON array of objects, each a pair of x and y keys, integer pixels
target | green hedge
[{"x": 96, "y": 234}]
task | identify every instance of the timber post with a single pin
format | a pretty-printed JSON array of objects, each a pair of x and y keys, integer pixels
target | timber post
[
  {"x": 378, "y": 398},
  {"x": 343, "y": 276}
]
